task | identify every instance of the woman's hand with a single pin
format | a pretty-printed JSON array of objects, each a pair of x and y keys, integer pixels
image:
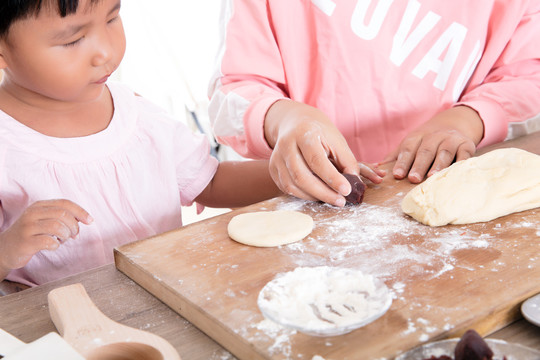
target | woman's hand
[
  {"x": 44, "y": 225},
  {"x": 451, "y": 135},
  {"x": 310, "y": 153}
]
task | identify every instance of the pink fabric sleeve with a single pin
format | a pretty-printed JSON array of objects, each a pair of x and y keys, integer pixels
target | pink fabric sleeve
[
  {"x": 2, "y": 159},
  {"x": 511, "y": 90},
  {"x": 239, "y": 102},
  {"x": 195, "y": 167}
]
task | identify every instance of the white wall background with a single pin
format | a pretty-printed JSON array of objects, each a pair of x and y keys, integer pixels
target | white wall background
[
  {"x": 171, "y": 51},
  {"x": 170, "y": 57}
]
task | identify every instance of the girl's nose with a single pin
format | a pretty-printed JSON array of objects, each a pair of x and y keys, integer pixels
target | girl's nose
[{"x": 103, "y": 50}]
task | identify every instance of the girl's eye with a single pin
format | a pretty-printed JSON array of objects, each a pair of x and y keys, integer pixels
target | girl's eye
[
  {"x": 73, "y": 43},
  {"x": 113, "y": 19}
]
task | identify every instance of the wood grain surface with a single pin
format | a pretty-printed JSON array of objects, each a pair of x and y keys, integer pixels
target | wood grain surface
[
  {"x": 96, "y": 336},
  {"x": 25, "y": 314},
  {"x": 445, "y": 280}
]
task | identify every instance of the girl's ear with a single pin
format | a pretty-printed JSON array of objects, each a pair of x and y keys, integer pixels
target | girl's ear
[{"x": 3, "y": 63}]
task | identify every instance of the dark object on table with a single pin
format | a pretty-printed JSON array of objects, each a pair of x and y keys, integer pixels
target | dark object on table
[
  {"x": 357, "y": 189},
  {"x": 472, "y": 347}
]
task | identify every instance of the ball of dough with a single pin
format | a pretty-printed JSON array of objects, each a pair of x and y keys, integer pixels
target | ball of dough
[
  {"x": 270, "y": 228},
  {"x": 478, "y": 189}
]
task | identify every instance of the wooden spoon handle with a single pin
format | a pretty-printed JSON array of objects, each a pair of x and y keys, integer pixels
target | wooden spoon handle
[
  {"x": 70, "y": 308},
  {"x": 95, "y": 335}
]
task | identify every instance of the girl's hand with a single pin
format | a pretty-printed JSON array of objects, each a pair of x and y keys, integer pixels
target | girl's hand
[
  {"x": 44, "y": 225},
  {"x": 451, "y": 135},
  {"x": 310, "y": 153}
]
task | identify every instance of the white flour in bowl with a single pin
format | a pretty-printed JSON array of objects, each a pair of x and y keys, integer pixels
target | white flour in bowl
[{"x": 323, "y": 300}]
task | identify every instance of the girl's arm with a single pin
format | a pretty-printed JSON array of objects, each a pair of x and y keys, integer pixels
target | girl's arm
[{"x": 239, "y": 183}]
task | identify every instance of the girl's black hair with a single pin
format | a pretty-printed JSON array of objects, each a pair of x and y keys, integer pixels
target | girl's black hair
[{"x": 13, "y": 10}]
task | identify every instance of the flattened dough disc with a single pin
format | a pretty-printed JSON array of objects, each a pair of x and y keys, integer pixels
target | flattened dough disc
[{"x": 270, "y": 228}]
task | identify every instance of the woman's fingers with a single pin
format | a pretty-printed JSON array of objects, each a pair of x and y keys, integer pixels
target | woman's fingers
[{"x": 295, "y": 178}]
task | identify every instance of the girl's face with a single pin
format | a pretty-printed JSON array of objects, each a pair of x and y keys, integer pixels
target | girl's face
[{"x": 64, "y": 59}]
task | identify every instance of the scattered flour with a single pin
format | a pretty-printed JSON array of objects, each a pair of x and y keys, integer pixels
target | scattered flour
[
  {"x": 364, "y": 238},
  {"x": 222, "y": 355},
  {"x": 369, "y": 231},
  {"x": 280, "y": 336}
]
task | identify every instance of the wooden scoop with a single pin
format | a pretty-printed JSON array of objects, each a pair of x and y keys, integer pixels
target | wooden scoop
[
  {"x": 96, "y": 336},
  {"x": 48, "y": 347}
]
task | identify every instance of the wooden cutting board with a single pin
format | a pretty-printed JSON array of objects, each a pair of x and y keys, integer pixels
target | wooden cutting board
[{"x": 444, "y": 280}]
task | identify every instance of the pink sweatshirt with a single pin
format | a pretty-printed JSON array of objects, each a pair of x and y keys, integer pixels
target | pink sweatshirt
[
  {"x": 378, "y": 69},
  {"x": 132, "y": 177}
]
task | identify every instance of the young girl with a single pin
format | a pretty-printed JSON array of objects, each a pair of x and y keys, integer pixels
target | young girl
[
  {"x": 315, "y": 85},
  {"x": 87, "y": 165}
]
